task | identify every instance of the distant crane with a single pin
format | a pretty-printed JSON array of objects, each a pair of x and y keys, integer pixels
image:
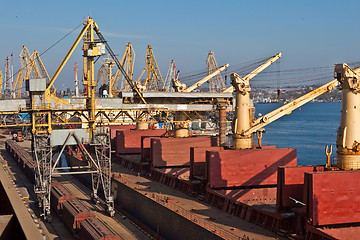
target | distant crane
[
  {"x": 1, "y": 82},
  {"x": 107, "y": 77},
  {"x": 216, "y": 83},
  {"x": 154, "y": 80},
  {"x": 76, "y": 82},
  {"x": 172, "y": 75},
  {"x": 7, "y": 76},
  {"x": 181, "y": 87}
]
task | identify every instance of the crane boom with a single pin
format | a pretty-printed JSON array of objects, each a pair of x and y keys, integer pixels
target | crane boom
[
  {"x": 288, "y": 108},
  {"x": 181, "y": 87},
  {"x": 205, "y": 79},
  {"x": 256, "y": 71}
]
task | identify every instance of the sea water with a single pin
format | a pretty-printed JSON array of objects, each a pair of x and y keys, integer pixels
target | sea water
[{"x": 308, "y": 129}]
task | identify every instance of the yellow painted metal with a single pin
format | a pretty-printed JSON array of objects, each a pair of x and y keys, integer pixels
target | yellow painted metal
[
  {"x": 257, "y": 70},
  {"x": 154, "y": 80},
  {"x": 35, "y": 58},
  {"x": 107, "y": 77},
  {"x": 23, "y": 73},
  {"x": 127, "y": 61},
  {"x": 89, "y": 23}
]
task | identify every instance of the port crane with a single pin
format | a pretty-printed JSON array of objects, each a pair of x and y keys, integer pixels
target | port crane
[
  {"x": 181, "y": 87},
  {"x": 44, "y": 135},
  {"x": 244, "y": 125},
  {"x": 216, "y": 83},
  {"x": 96, "y": 113},
  {"x": 154, "y": 80},
  {"x": 347, "y": 142},
  {"x": 171, "y": 74},
  {"x": 107, "y": 77},
  {"x": 256, "y": 71}
]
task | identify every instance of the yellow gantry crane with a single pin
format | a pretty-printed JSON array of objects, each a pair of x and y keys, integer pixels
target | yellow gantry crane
[
  {"x": 42, "y": 117},
  {"x": 107, "y": 77},
  {"x": 154, "y": 80},
  {"x": 127, "y": 61},
  {"x": 30, "y": 65},
  {"x": 24, "y": 73}
]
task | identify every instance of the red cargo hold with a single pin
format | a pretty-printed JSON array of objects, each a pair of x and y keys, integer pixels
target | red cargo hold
[
  {"x": 343, "y": 233},
  {"x": 175, "y": 152},
  {"x": 250, "y": 196},
  {"x": 332, "y": 197},
  {"x": 114, "y": 128},
  {"x": 129, "y": 141},
  {"x": 198, "y": 161},
  {"x": 242, "y": 168},
  {"x": 290, "y": 183}
]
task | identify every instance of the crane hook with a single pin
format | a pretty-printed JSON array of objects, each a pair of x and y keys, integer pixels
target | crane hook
[
  {"x": 259, "y": 134},
  {"x": 328, "y": 153}
]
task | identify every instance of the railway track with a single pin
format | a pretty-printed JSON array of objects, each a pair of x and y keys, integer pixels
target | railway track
[{"x": 85, "y": 219}]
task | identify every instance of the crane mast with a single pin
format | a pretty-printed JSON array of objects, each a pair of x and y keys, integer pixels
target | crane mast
[
  {"x": 216, "y": 83},
  {"x": 348, "y": 135},
  {"x": 98, "y": 138},
  {"x": 172, "y": 75},
  {"x": 154, "y": 80}
]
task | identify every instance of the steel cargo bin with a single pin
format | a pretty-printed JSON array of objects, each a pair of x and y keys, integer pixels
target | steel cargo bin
[
  {"x": 73, "y": 213},
  {"x": 95, "y": 229},
  {"x": 24, "y": 157},
  {"x": 29, "y": 170},
  {"x": 59, "y": 195}
]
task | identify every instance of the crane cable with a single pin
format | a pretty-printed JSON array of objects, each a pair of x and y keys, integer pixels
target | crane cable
[{"x": 45, "y": 51}]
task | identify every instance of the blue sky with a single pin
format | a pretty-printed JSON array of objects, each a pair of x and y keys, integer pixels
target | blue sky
[{"x": 308, "y": 33}]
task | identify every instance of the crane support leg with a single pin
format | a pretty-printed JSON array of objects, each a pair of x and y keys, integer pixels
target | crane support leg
[
  {"x": 181, "y": 125},
  {"x": 42, "y": 151}
]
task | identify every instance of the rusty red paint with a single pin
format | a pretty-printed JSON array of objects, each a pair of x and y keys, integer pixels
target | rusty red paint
[
  {"x": 129, "y": 141},
  {"x": 94, "y": 228},
  {"x": 59, "y": 195},
  {"x": 174, "y": 152},
  {"x": 198, "y": 161},
  {"x": 114, "y": 128},
  {"x": 74, "y": 212},
  {"x": 178, "y": 172},
  {"x": 251, "y": 196},
  {"x": 332, "y": 197},
  {"x": 290, "y": 184},
  {"x": 242, "y": 168},
  {"x": 332, "y": 233}
]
